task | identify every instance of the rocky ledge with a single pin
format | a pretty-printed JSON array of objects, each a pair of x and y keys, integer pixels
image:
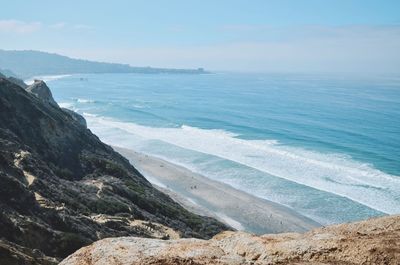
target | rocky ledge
[{"x": 375, "y": 241}]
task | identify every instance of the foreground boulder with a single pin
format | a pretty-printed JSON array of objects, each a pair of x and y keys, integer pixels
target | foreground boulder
[
  {"x": 375, "y": 241},
  {"x": 61, "y": 188}
]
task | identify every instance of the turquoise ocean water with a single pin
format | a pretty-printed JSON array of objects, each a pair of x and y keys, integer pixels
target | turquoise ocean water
[{"x": 327, "y": 146}]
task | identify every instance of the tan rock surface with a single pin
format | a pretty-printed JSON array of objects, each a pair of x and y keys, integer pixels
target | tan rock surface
[{"x": 375, "y": 241}]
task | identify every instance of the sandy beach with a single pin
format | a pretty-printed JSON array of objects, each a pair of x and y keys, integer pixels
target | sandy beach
[{"x": 204, "y": 196}]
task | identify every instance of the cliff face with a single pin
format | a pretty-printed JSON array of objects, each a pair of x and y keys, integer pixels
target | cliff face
[
  {"x": 14, "y": 80},
  {"x": 375, "y": 241},
  {"x": 61, "y": 188},
  {"x": 42, "y": 91}
]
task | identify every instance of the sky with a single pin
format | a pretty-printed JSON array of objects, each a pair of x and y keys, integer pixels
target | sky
[{"x": 247, "y": 35}]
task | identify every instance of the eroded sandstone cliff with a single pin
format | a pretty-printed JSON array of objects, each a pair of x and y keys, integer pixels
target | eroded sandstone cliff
[{"x": 375, "y": 241}]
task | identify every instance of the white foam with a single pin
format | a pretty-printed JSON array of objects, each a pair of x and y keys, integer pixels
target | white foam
[
  {"x": 67, "y": 105},
  {"x": 138, "y": 106},
  {"x": 89, "y": 114},
  {"x": 337, "y": 174},
  {"x": 45, "y": 78},
  {"x": 83, "y": 100}
]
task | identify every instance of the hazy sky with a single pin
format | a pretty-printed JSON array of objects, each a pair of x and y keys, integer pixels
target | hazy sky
[{"x": 248, "y": 35}]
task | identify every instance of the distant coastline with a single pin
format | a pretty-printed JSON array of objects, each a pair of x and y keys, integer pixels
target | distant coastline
[{"x": 26, "y": 64}]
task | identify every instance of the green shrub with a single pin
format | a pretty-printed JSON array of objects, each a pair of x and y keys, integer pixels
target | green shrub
[{"x": 69, "y": 243}]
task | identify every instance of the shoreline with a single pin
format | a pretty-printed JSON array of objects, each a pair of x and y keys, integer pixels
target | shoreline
[{"x": 204, "y": 196}]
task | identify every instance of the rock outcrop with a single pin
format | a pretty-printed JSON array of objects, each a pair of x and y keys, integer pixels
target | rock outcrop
[
  {"x": 42, "y": 91},
  {"x": 77, "y": 117},
  {"x": 13, "y": 254},
  {"x": 61, "y": 188},
  {"x": 375, "y": 241}
]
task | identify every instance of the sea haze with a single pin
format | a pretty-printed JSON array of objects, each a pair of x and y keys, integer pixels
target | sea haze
[{"x": 326, "y": 146}]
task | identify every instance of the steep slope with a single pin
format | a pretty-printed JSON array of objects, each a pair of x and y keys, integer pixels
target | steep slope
[
  {"x": 41, "y": 90},
  {"x": 11, "y": 77},
  {"x": 61, "y": 188},
  {"x": 6, "y": 72},
  {"x": 375, "y": 241}
]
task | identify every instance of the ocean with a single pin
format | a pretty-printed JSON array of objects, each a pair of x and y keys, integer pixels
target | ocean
[{"x": 327, "y": 146}]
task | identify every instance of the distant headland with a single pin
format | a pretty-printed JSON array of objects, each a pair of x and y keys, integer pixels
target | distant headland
[{"x": 28, "y": 63}]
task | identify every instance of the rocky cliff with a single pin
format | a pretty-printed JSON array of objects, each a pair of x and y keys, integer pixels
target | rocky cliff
[
  {"x": 61, "y": 188},
  {"x": 41, "y": 91},
  {"x": 375, "y": 241},
  {"x": 14, "y": 80}
]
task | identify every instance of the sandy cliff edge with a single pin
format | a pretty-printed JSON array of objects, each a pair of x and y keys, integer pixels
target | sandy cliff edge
[{"x": 374, "y": 241}]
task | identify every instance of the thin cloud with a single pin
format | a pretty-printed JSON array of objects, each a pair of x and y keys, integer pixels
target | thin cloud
[
  {"x": 23, "y": 27},
  {"x": 82, "y": 27},
  {"x": 66, "y": 26},
  {"x": 316, "y": 48},
  {"x": 59, "y": 25},
  {"x": 244, "y": 27},
  {"x": 19, "y": 27}
]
